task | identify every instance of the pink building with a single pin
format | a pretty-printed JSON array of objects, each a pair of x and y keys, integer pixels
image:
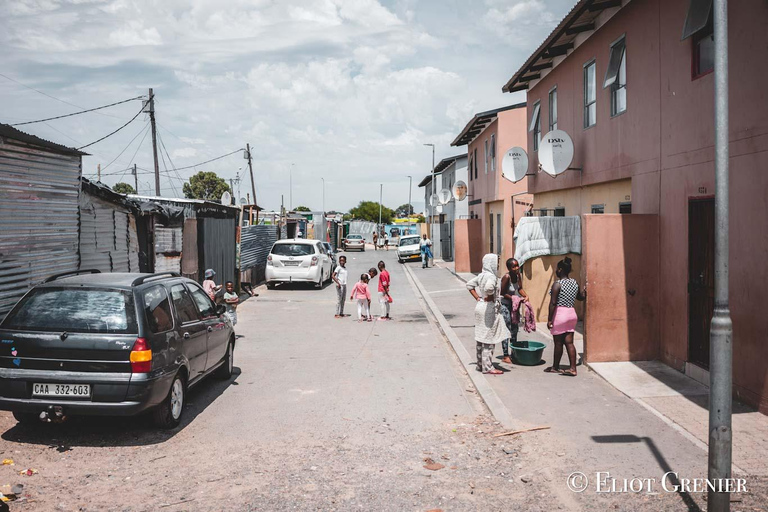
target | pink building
[
  {"x": 495, "y": 203},
  {"x": 631, "y": 83}
]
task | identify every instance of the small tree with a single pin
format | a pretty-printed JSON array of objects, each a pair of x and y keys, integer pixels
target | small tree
[
  {"x": 124, "y": 188},
  {"x": 207, "y": 186},
  {"x": 369, "y": 210},
  {"x": 302, "y": 209},
  {"x": 404, "y": 210}
]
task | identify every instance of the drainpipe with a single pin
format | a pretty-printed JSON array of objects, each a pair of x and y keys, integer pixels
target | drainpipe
[{"x": 721, "y": 332}]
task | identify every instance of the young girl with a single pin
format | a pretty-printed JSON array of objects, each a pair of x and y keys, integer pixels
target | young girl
[
  {"x": 363, "y": 296},
  {"x": 231, "y": 299}
]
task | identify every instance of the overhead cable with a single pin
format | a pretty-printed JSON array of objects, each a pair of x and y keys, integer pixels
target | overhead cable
[
  {"x": 211, "y": 160},
  {"x": 78, "y": 113},
  {"x": 114, "y": 132}
]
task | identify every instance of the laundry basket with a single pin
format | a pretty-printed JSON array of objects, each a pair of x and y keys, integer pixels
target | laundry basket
[{"x": 528, "y": 353}]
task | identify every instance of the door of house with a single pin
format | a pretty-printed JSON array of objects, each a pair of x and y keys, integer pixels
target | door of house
[
  {"x": 701, "y": 278},
  {"x": 445, "y": 241},
  {"x": 499, "y": 243},
  {"x": 490, "y": 235}
]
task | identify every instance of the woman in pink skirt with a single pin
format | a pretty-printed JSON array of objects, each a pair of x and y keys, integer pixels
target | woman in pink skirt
[{"x": 562, "y": 317}]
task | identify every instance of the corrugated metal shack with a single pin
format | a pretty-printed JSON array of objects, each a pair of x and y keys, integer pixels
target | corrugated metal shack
[
  {"x": 255, "y": 243},
  {"x": 39, "y": 195},
  {"x": 108, "y": 229},
  {"x": 191, "y": 235}
]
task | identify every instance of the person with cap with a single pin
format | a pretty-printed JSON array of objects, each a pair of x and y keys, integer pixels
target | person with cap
[{"x": 209, "y": 285}]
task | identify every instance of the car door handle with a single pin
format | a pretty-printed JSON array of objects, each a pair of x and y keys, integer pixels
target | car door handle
[
  {"x": 210, "y": 329},
  {"x": 186, "y": 335}
]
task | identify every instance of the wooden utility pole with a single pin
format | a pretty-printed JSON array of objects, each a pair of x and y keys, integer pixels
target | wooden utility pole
[
  {"x": 154, "y": 140},
  {"x": 253, "y": 184},
  {"x": 98, "y": 172},
  {"x": 135, "y": 179}
]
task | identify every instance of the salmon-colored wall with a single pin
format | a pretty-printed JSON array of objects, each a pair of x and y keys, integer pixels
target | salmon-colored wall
[
  {"x": 664, "y": 142},
  {"x": 467, "y": 245},
  {"x": 622, "y": 308},
  {"x": 538, "y": 278}
]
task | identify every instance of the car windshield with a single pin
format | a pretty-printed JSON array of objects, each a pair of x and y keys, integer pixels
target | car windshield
[
  {"x": 354, "y": 237},
  {"x": 409, "y": 241},
  {"x": 293, "y": 249},
  {"x": 74, "y": 310}
]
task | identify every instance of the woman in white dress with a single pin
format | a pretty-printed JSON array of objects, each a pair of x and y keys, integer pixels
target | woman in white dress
[{"x": 490, "y": 328}]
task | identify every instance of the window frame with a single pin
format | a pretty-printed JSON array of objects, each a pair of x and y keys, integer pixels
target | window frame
[
  {"x": 486, "y": 156},
  {"x": 475, "y": 159},
  {"x": 625, "y": 204},
  {"x": 170, "y": 307},
  {"x": 553, "y": 118},
  {"x": 617, "y": 85},
  {"x": 493, "y": 152},
  {"x": 586, "y": 104},
  {"x": 471, "y": 162},
  {"x": 558, "y": 209},
  {"x": 197, "y": 288},
  {"x": 192, "y": 299},
  {"x": 600, "y": 207},
  {"x": 707, "y": 31},
  {"x": 535, "y": 126}
]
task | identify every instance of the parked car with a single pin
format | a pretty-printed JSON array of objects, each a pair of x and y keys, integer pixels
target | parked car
[
  {"x": 87, "y": 343},
  {"x": 409, "y": 248},
  {"x": 331, "y": 254},
  {"x": 354, "y": 242},
  {"x": 298, "y": 260}
]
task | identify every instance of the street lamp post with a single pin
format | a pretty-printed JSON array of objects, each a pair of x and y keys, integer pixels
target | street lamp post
[
  {"x": 323, "y": 180},
  {"x": 410, "y": 187},
  {"x": 721, "y": 334},
  {"x": 381, "y": 192},
  {"x": 432, "y": 209}
]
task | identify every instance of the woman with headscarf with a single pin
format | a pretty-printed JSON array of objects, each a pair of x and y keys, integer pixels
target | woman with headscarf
[{"x": 489, "y": 325}]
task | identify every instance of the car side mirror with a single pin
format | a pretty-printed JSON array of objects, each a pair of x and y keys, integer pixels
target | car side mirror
[{"x": 221, "y": 309}]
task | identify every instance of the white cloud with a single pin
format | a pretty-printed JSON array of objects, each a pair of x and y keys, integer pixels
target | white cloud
[
  {"x": 184, "y": 153},
  {"x": 134, "y": 34}
]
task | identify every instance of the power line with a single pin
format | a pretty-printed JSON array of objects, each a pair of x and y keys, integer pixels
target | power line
[
  {"x": 78, "y": 113},
  {"x": 114, "y": 132},
  {"x": 209, "y": 161},
  {"x": 143, "y": 129}
]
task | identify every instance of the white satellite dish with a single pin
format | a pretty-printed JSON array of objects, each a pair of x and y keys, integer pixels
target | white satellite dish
[
  {"x": 514, "y": 165},
  {"x": 555, "y": 152},
  {"x": 226, "y": 198},
  {"x": 445, "y": 196},
  {"x": 242, "y": 200},
  {"x": 434, "y": 200},
  {"x": 460, "y": 190},
  {"x": 439, "y": 208}
]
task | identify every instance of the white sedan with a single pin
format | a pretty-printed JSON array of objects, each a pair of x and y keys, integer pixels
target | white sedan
[
  {"x": 298, "y": 260},
  {"x": 409, "y": 248}
]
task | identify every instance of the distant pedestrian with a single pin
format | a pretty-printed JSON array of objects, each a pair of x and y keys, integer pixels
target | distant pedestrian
[
  {"x": 382, "y": 235},
  {"x": 362, "y": 295},
  {"x": 340, "y": 278},
  {"x": 384, "y": 298},
  {"x": 231, "y": 300},
  {"x": 209, "y": 285},
  {"x": 375, "y": 241},
  {"x": 511, "y": 286},
  {"x": 386, "y": 241},
  {"x": 426, "y": 251},
  {"x": 489, "y": 326},
  {"x": 562, "y": 316}
]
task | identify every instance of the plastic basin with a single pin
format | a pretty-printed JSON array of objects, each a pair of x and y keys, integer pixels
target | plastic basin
[{"x": 528, "y": 353}]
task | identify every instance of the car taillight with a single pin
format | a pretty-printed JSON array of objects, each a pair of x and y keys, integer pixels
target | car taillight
[
  {"x": 141, "y": 356},
  {"x": 269, "y": 260},
  {"x": 314, "y": 261}
]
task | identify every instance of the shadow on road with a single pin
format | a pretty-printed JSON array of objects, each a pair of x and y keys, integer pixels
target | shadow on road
[{"x": 98, "y": 431}]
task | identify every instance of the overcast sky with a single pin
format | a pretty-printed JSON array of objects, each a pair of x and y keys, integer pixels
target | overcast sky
[{"x": 348, "y": 90}]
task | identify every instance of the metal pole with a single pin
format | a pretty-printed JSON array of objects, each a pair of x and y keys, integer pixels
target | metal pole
[
  {"x": 381, "y": 192},
  {"x": 323, "y": 196},
  {"x": 135, "y": 178},
  {"x": 154, "y": 140},
  {"x": 432, "y": 208},
  {"x": 290, "y": 188},
  {"x": 410, "y": 186},
  {"x": 721, "y": 331},
  {"x": 253, "y": 183}
]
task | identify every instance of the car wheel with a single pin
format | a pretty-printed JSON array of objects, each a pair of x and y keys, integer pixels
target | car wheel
[
  {"x": 270, "y": 286},
  {"x": 400, "y": 260},
  {"x": 319, "y": 283},
  {"x": 26, "y": 417},
  {"x": 167, "y": 415},
  {"x": 225, "y": 371}
]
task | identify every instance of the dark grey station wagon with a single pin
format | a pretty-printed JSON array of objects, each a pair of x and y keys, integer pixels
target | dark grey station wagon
[{"x": 87, "y": 343}]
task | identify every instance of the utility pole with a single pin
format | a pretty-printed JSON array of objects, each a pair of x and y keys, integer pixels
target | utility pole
[
  {"x": 154, "y": 140},
  {"x": 381, "y": 192},
  {"x": 253, "y": 183},
  {"x": 410, "y": 186},
  {"x": 323, "y": 179},
  {"x": 432, "y": 209},
  {"x": 98, "y": 172},
  {"x": 135, "y": 179},
  {"x": 290, "y": 188},
  {"x": 721, "y": 332}
]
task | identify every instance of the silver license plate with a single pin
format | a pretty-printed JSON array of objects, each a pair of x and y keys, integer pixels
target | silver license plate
[
  {"x": 291, "y": 263},
  {"x": 66, "y": 390}
]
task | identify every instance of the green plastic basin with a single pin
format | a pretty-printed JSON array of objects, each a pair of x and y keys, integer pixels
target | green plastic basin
[{"x": 528, "y": 353}]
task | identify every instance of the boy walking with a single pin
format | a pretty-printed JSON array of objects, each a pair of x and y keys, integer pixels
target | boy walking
[
  {"x": 231, "y": 300},
  {"x": 384, "y": 297},
  {"x": 340, "y": 278}
]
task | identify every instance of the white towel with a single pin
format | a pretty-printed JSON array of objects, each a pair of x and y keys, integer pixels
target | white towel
[{"x": 541, "y": 236}]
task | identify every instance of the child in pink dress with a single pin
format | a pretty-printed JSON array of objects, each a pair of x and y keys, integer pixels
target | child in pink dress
[{"x": 361, "y": 293}]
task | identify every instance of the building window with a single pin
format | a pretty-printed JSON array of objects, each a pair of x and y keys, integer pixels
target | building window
[
  {"x": 698, "y": 26},
  {"x": 535, "y": 125},
  {"x": 543, "y": 212},
  {"x": 625, "y": 207},
  {"x": 590, "y": 95},
  {"x": 559, "y": 211},
  {"x": 598, "y": 208},
  {"x": 616, "y": 77},
  {"x": 493, "y": 152},
  {"x": 487, "y": 154},
  {"x": 475, "y": 160},
  {"x": 553, "y": 109},
  {"x": 470, "y": 166}
]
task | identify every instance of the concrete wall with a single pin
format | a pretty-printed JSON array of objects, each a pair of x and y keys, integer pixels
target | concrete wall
[
  {"x": 468, "y": 255},
  {"x": 579, "y": 201},
  {"x": 623, "y": 306},
  {"x": 664, "y": 142},
  {"x": 538, "y": 278}
]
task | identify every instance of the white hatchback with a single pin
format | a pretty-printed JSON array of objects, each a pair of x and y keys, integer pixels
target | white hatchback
[
  {"x": 409, "y": 248},
  {"x": 297, "y": 260}
]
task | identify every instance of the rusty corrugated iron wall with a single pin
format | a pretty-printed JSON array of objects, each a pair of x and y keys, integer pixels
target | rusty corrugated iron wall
[
  {"x": 255, "y": 244},
  {"x": 108, "y": 239},
  {"x": 39, "y": 193}
]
